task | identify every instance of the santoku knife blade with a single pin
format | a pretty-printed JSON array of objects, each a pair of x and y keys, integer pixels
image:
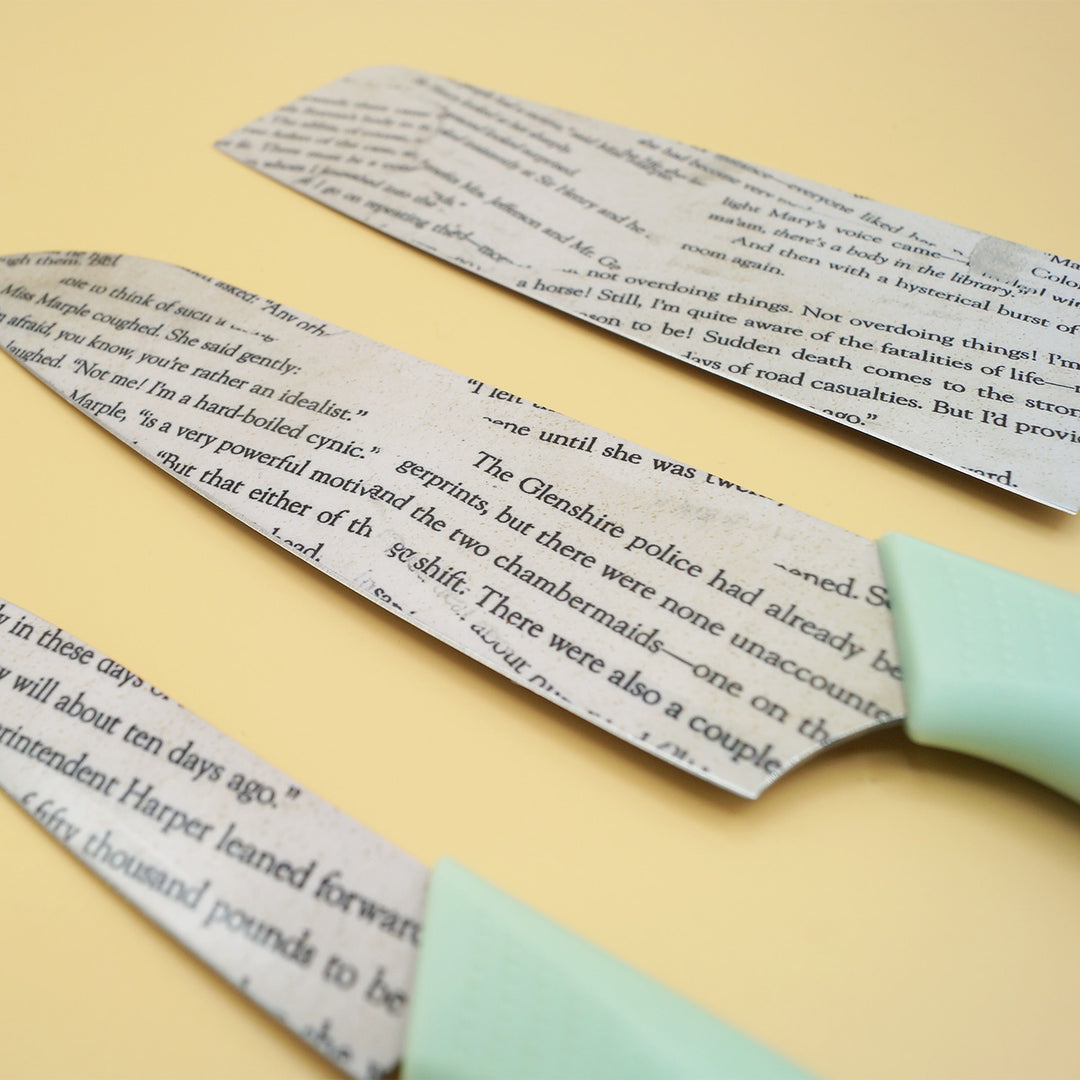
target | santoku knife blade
[
  {"x": 957, "y": 345},
  {"x": 722, "y": 632}
]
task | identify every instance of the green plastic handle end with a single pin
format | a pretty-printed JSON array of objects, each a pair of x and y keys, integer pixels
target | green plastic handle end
[
  {"x": 990, "y": 660},
  {"x": 502, "y": 993}
]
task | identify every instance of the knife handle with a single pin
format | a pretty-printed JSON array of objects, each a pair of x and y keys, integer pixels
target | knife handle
[
  {"x": 502, "y": 993},
  {"x": 990, "y": 660}
]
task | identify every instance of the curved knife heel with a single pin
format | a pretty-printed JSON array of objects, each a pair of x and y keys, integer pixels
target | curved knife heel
[{"x": 991, "y": 660}]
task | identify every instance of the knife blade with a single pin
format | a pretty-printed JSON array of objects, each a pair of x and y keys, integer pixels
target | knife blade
[
  {"x": 345, "y": 939},
  {"x": 947, "y": 342},
  {"x": 715, "y": 629}
]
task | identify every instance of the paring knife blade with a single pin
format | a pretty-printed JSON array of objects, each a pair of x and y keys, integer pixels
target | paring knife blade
[
  {"x": 722, "y": 632},
  {"x": 953, "y": 344},
  {"x": 341, "y": 936}
]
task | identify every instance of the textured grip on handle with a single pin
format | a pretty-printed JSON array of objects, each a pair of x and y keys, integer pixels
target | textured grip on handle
[
  {"x": 991, "y": 660},
  {"x": 504, "y": 994}
]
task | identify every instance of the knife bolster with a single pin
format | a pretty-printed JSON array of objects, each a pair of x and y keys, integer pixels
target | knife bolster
[{"x": 990, "y": 660}]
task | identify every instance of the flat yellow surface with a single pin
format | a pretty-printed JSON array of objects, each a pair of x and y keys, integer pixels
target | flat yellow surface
[{"x": 887, "y": 911}]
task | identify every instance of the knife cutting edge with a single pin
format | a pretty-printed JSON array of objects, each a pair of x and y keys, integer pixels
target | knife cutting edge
[
  {"x": 722, "y": 632},
  {"x": 344, "y": 938},
  {"x": 947, "y": 342}
]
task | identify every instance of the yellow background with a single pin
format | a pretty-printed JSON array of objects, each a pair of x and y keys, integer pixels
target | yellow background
[{"x": 887, "y": 911}]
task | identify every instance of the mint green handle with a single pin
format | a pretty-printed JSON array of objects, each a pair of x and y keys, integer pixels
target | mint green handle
[
  {"x": 990, "y": 660},
  {"x": 504, "y": 994}
]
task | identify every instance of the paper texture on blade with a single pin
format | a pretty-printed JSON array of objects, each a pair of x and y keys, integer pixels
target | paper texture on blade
[
  {"x": 956, "y": 345},
  {"x": 718, "y": 630},
  {"x": 314, "y": 917}
]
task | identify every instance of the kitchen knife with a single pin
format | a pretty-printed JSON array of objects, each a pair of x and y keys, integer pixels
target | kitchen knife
[
  {"x": 722, "y": 632},
  {"x": 341, "y": 936},
  {"x": 953, "y": 344}
]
